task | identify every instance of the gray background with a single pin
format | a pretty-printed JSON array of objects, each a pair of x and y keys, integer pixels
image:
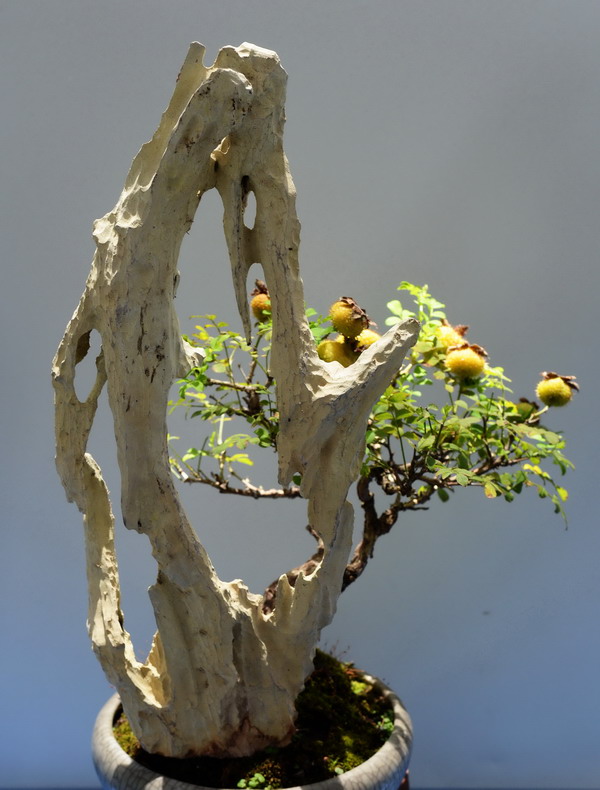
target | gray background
[{"x": 453, "y": 143}]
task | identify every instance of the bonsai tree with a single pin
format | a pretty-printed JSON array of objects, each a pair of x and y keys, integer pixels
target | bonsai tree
[
  {"x": 447, "y": 420},
  {"x": 226, "y": 665}
]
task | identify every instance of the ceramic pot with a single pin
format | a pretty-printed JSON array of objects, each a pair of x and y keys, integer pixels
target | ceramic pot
[{"x": 385, "y": 770}]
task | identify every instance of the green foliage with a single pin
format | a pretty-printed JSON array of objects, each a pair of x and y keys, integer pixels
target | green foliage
[
  {"x": 478, "y": 437},
  {"x": 257, "y": 780},
  {"x": 241, "y": 387},
  {"x": 428, "y": 435}
]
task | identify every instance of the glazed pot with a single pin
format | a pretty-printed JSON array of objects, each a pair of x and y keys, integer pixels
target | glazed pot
[{"x": 385, "y": 770}]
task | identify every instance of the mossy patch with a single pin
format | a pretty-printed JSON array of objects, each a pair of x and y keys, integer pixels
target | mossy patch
[{"x": 342, "y": 721}]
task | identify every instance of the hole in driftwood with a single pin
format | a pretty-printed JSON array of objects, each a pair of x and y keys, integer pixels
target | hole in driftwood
[
  {"x": 135, "y": 564},
  {"x": 89, "y": 348},
  {"x": 248, "y": 203},
  {"x": 221, "y": 521}
]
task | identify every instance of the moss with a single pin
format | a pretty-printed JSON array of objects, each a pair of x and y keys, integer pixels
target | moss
[
  {"x": 342, "y": 721},
  {"x": 125, "y": 737},
  {"x": 359, "y": 686}
]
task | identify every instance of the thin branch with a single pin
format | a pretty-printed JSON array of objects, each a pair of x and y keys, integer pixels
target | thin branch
[
  {"x": 256, "y": 492},
  {"x": 234, "y": 385}
]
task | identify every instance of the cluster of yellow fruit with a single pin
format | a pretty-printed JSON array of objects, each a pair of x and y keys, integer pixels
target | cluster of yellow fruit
[
  {"x": 462, "y": 359},
  {"x": 467, "y": 361},
  {"x": 352, "y": 323}
]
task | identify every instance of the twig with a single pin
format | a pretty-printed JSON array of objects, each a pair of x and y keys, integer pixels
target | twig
[{"x": 256, "y": 492}]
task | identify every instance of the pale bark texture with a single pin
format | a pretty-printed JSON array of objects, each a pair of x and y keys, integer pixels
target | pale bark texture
[{"x": 223, "y": 673}]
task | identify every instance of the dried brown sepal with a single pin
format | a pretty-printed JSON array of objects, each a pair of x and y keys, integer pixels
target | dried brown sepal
[
  {"x": 460, "y": 329},
  {"x": 261, "y": 288},
  {"x": 473, "y": 346},
  {"x": 532, "y": 403},
  {"x": 357, "y": 311},
  {"x": 569, "y": 380},
  {"x": 348, "y": 317}
]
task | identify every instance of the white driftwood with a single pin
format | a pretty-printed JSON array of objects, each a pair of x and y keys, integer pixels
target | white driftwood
[{"x": 222, "y": 675}]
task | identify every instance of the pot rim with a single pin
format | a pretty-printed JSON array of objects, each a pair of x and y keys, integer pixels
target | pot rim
[{"x": 382, "y": 771}]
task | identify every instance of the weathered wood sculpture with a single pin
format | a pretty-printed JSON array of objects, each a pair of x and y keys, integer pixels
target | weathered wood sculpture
[{"x": 222, "y": 675}]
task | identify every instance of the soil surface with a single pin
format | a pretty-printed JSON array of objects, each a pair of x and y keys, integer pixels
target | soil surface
[{"x": 342, "y": 721}]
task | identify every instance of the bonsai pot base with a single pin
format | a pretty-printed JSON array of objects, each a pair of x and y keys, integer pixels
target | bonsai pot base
[{"x": 385, "y": 770}]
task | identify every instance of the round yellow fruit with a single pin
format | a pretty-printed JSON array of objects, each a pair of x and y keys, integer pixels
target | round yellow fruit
[
  {"x": 554, "y": 392},
  {"x": 261, "y": 307},
  {"x": 465, "y": 363},
  {"x": 448, "y": 336},
  {"x": 347, "y": 317},
  {"x": 336, "y": 351},
  {"x": 526, "y": 409},
  {"x": 260, "y": 302},
  {"x": 366, "y": 338}
]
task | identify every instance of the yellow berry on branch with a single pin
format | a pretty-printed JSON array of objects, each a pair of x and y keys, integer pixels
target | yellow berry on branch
[
  {"x": 526, "y": 408},
  {"x": 348, "y": 318},
  {"x": 338, "y": 350},
  {"x": 261, "y": 302},
  {"x": 448, "y": 335},
  {"x": 555, "y": 390},
  {"x": 366, "y": 338},
  {"x": 466, "y": 361}
]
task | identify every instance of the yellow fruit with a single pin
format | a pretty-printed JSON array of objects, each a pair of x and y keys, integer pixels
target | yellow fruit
[
  {"x": 337, "y": 351},
  {"x": 366, "y": 338},
  {"x": 448, "y": 335},
  {"x": 554, "y": 392},
  {"x": 261, "y": 302},
  {"x": 261, "y": 307},
  {"x": 526, "y": 409},
  {"x": 466, "y": 362},
  {"x": 347, "y": 317},
  {"x": 523, "y": 411}
]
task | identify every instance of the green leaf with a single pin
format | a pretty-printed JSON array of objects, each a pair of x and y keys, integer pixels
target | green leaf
[
  {"x": 426, "y": 442},
  {"x": 490, "y": 491},
  {"x": 422, "y": 346},
  {"x": 241, "y": 458},
  {"x": 395, "y": 307}
]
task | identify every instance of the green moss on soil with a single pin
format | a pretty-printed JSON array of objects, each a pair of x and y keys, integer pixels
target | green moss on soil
[{"x": 342, "y": 721}]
